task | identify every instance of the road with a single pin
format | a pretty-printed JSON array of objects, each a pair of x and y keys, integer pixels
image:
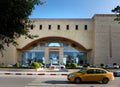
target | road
[{"x": 48, "y": 81}]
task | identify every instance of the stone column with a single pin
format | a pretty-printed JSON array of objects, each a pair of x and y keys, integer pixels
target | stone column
[
  {"x": 47, "y": 55},
  {"x": 61, "y": 55}
]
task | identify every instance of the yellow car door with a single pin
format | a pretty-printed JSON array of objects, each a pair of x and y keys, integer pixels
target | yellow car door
[
  {"x": 99, "y": 75},
  {"x": 89, "y": 75},
  {"x": 94, "y": 75}
]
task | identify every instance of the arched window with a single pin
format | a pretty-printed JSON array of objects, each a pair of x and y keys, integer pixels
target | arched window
[{"x": 54, "y": 43}]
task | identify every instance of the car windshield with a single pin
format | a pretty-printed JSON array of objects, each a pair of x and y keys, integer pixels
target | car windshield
[{"x": 82, "y": 70}]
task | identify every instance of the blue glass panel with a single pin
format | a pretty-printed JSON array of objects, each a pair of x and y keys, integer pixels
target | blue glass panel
[
  {"x": 40, "y": 57},
  {"x": 75, "y": 57},
  {"x": 54, "y": 57},
  {"x": 54, "y": 44},
  {"x": 42, "y": 45},
  {"x": 65, "y": 45}
]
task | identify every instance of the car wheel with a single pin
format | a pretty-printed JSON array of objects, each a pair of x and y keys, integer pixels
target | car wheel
[
  {"x": 105, "y": 80},
  {"x": 77, "y": 80}
]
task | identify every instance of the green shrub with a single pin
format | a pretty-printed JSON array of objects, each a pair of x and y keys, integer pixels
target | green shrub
[
  {"x": 74, "y": 65},
  {"x": 102, "y": 65},
  {"x": 71, "y": 65},
  {"x": 114, "y": 64},
  {"x": 17, "y": 65},
  {"x": 68, "y": 65},
  {"x": 40, "y": 64},
  {"x": 36, "y": 65}
]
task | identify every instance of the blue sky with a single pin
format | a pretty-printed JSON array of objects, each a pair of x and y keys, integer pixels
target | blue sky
[{"x": 73, "y": 8}]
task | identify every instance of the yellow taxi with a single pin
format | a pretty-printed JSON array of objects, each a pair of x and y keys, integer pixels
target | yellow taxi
[{"x": 91, "y": 75}]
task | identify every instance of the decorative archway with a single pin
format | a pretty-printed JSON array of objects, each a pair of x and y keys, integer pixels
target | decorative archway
[
  {"x": 65, "y": 51},
  {"x": 73, "y": 43}
]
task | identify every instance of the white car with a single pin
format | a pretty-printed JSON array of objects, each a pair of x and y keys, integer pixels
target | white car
[
  {"x": 59, "y": 66},
  {"x": 116, "y": 66},
  {"x": 112, "y": 66}
]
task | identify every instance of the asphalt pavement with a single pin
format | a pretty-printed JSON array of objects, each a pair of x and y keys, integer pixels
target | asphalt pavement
[{"x": 60, "y": 72}]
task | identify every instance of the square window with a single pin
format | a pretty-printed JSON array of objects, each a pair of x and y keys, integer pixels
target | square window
[
  {"x": 76, "y": 27},
  {"x": 49, "y": 27},
  {"x": 85, "y": 27},
  {"x": 58, "y": 27},
  {"x": 40, "y": 27},
  {"x": 31, "y": 27},
  {"x": 67, "y": 27}
]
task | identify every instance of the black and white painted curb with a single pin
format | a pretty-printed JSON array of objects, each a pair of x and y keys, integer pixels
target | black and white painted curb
[{"x": 29, "y": 73}]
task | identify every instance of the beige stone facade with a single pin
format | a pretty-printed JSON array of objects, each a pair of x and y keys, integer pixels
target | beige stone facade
[{"x": 99, "y": 37}]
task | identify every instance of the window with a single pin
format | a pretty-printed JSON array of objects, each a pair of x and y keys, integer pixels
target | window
[
  {"x": 65, "y": 45},
  {"x": 76, "y": 27},
  {"x": 49, "y": 27},
  {"x": 85, "y": 27},
  {"x": 58, "y": 27},
  {"x": 67, "y": 27},
  {"x": 31, "y": 27},
  {"x": 42, "y": 45},
  {"x": 82, "y": 70},
  {"x": 90, "y": 71},
  {"x": 40, "y": 27},
  {"x": 55, "y": 44},
  {"x": 100, "y": 71}
]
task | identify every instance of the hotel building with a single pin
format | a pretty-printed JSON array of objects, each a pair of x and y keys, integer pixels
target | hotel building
[{"x": 93, "y": 40}]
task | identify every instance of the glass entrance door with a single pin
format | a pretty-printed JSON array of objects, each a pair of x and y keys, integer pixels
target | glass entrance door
[{"x": 54, "y": 57}]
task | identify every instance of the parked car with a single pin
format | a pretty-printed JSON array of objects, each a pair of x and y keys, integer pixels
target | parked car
[
  {"x": 10, "y": 65},
  {"x": 91, "y": 75},
  {"x": 112, "y": 66},
  {"x": 116, "y": 73},
  {"x": 47, "y": 65},
  {"x": 116, "y": 66},
  {"x": 108, "y": 66},
  {"x": 58, "y": 66},
  {"x": 80, "y": 66}
]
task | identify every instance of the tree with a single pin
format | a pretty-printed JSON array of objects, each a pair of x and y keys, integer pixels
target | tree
[
  {"x": 116, "y": 10},
  {"x": 14, "y": 20}
]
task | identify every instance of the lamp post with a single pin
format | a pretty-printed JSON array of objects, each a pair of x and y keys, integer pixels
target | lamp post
[{"x": 110, "y": 44}]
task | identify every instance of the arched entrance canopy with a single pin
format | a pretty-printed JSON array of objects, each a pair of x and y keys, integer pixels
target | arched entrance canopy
[
  {"x": 46, "y": 39},
  {"x": 54, "y": 50}
]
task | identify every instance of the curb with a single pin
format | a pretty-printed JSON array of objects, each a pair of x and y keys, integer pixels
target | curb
[{"x": 39, "y": 74}]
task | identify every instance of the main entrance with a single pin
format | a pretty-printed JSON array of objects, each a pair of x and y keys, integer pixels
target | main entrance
[
  {"x": 54, "y": 55},
  {"x": 55, "y": 51}
]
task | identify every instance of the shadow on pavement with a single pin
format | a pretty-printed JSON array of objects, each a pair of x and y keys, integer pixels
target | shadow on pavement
[{"x": 67, "y": 82}]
